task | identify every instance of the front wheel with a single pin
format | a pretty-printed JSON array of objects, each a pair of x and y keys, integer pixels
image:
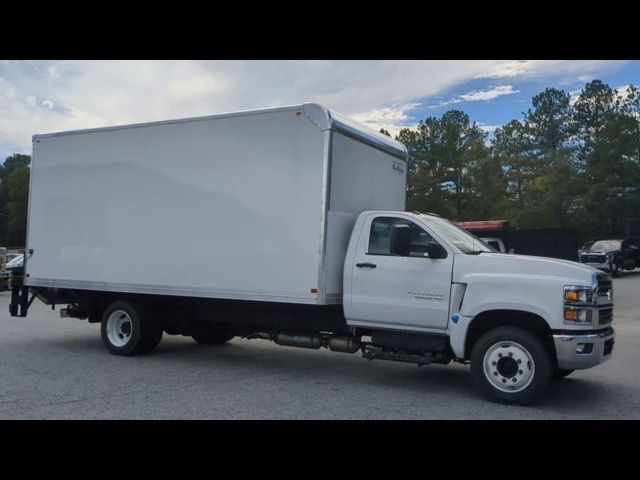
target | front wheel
[
  {"x": 511, "y": 365},
  {"x": 129, "y": 329}
]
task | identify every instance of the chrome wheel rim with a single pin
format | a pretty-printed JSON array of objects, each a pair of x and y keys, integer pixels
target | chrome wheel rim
[
  {"x": 508, "y": 366},
  {"x": 119, "y": 328}
]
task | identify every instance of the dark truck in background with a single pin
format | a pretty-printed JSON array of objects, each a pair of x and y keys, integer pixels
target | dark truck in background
[{"x": 611, "y": 255}]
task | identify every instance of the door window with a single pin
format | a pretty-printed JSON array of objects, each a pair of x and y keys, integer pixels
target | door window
[{"x": 380, "y": 237}]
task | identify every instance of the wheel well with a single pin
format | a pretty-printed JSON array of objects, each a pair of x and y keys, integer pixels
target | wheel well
[{"x": 491, "y": 319}]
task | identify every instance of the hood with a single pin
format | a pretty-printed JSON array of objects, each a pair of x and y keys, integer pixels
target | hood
[{"x": 523, "y": 265}]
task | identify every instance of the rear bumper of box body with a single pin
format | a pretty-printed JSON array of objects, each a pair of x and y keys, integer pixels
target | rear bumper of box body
[{"x": 599, "y": 352}]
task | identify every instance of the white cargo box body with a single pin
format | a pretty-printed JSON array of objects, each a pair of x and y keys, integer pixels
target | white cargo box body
[{"x": 253, "y": 205}]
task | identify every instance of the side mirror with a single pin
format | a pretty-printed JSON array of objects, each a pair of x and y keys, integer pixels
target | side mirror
[
  {"x": 400, "y": 241},
  {"x": 400, "y": 244},
  {"x": 435, "y": 251}
]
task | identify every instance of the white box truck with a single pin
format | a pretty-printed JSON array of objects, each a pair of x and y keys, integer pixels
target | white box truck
[{"x": 288, "y": 224}]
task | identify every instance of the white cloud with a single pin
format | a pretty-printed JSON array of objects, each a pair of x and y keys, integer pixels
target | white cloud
[
  {"x": 511, "y": 69},
  {"x": 574, "y": 95},
  {"x": 84, "y": 94},
  {"x": 489, "y": 94},
  {"x": 622, "y": 91},
  {"x": 31, "y": 100},
  {"x": 444, "y": 103},
  {"x": 392, "y": 118},
  {"x": 196, "y": 88},
  {"x": 478, "y": 95},
  {"x": 52, "y": 71},
  {"x": 488, "y": 128},
  {"x": 541, "y": 69},
  {"x": 7, "y": 91}
]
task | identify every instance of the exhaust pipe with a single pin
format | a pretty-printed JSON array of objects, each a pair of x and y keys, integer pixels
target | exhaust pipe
[
  {"x": 299, "y": 340},
  {"x": 344, "y": 344}
]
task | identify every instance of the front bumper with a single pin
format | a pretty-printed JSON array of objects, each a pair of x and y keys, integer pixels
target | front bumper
[{"x": 599, "y": 351}]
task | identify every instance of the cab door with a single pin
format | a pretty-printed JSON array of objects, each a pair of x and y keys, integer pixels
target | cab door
[{"x": 394, "y": 290}]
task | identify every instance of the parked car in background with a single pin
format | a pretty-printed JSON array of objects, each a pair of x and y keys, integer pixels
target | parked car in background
[
  {"x": 586, "y": 246},
  {"x": 14, "y": 267},
  {"x": 496, "y": 243},
  {"x": 611, "y": 255}
]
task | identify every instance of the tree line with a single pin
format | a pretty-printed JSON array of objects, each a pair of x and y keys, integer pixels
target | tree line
[
  {"x": 569, "y": 162},
  {"x": 14, "y": 198}
]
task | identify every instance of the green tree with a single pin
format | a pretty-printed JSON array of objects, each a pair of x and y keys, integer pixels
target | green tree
[
  {"x": 512, "y": 147},
  {"x": 18, "y": 186},
  {"x": 424, "y": 174},
  {"x": 444, "y": 154},
  {"x": 607, "y": 128},
  {"x": 460, "y": 145},
  {"x": 565, "y": 164},
  {"x": 551, "y": 195},
  {"x": 13, "y": 163},
  {"x": 550, "y": 123},
  {"x": 489, "y": 189}
]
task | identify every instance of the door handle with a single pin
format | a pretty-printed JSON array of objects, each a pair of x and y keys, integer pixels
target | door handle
[{"x": 366, "y": 265}]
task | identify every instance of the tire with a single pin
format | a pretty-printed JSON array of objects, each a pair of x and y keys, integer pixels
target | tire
[
  {"x": 213, "y": 336},
  {"x": 129, "y": 329},
  {"x": 561, "y": 373},
  {"x": 511, "y": 348}
]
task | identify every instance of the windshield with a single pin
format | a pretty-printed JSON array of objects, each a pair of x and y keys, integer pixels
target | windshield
[
  {"x": 16, "y": 261},
  {"x": 462, "y": 239},
  {"x": 605, "y": 245}
]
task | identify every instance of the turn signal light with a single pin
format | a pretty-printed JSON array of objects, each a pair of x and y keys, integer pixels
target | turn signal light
[
  {"x": 580, "y": 315},
  {"x": 571, "y": 315}
]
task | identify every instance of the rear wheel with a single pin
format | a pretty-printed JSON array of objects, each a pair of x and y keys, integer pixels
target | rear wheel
[
  {"x": 129, "y": 329},
  {"x": 511, "y": 365}
]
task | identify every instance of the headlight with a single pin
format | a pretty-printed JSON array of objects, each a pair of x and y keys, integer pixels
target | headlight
[
  {"x": 578, "y": 294},
  {"x": 578, "y": 301}
]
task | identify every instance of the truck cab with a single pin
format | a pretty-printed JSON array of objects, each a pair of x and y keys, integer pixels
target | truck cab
[{"x": 417, "y": 273}]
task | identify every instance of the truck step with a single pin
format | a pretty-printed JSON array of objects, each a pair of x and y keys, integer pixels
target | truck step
[{"x": 371, "y": 354}]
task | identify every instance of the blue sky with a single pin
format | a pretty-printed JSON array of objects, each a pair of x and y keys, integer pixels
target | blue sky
[
  {"x": 50, "y": 96},
  {"x": 513, "y": 96}
]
